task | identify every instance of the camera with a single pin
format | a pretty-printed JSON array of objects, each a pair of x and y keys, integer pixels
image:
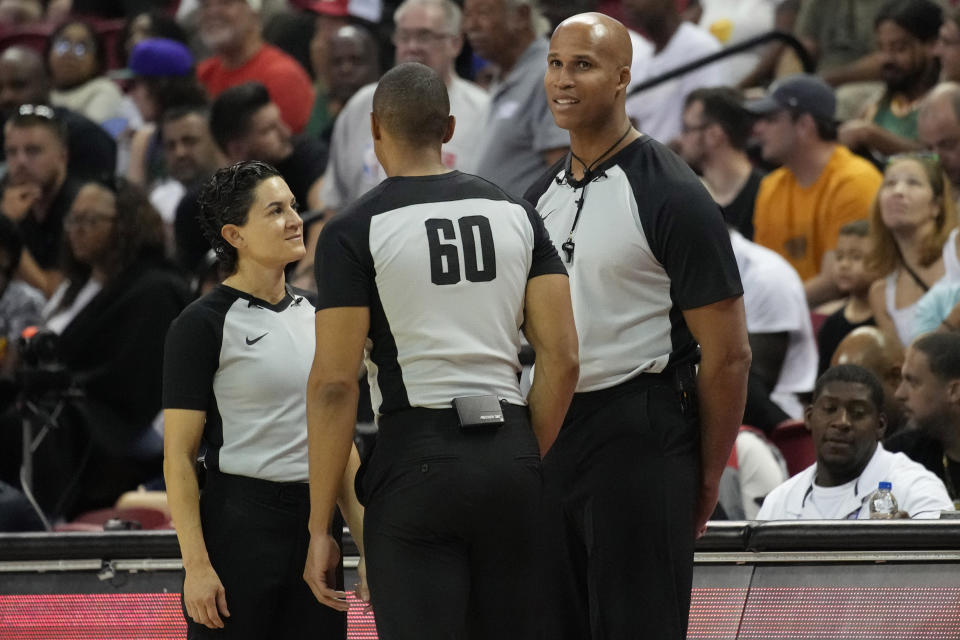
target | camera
[{"x": 40, "y": 372}]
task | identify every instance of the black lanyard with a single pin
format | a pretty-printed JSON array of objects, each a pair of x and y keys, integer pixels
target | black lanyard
[{"x": 588, "y": 177}]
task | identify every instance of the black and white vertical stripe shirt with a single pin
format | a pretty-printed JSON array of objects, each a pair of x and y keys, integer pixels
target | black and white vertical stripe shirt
[
  {"x": 648, "y": 244},
  {"x": 442, "y": 262},
  {"x": 245, "y": 362}
]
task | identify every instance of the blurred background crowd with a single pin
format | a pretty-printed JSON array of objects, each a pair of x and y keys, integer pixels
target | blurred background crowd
[{"x": 836, "y": 166}]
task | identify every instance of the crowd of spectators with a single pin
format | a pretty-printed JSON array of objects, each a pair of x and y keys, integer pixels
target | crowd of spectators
[{"x": 838, "y": 185}]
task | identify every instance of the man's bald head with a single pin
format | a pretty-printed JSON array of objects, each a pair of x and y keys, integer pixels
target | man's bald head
[
  {"x": 869, "y": 348},
  {"x": 938, "y": 126},
  {"x": 877, "y": 352},
  {"x": 23, "y": 79},
  {"x": 608, "y": 37},
  {"x": 411, "y": 104}
]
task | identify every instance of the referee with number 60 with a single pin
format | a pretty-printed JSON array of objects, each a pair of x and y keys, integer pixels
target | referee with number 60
[{"x": 431, "y": 276}]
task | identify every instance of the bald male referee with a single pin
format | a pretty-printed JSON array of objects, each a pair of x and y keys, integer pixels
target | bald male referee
[
  {"x": 664, "y": 355},
  {"x": 432, "y": 275}
]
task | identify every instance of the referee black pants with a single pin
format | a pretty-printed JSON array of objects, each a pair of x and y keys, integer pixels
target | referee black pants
[
  {"x": 256, "y": 536},
  {"x": 450, "y": 525},
  {"x": 621, "y": 484}
]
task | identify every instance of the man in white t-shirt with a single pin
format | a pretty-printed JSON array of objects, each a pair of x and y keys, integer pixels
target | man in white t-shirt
[
  {"x": 427, "y": 31},
  {"x": 847, "y": 422},
  {"x": 657, "y": 110},
  {"x": 778, "y": 323}
]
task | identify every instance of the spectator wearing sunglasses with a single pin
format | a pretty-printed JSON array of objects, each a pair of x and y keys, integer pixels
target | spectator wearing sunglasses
[{"x": 76, "y": 61}]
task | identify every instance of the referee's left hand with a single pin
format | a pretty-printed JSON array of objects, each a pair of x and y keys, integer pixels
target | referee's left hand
[{"x": 322, "y": 558}]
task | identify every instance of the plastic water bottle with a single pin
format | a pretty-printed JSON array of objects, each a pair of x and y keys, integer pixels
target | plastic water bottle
[{"x": 883, "y": 504}]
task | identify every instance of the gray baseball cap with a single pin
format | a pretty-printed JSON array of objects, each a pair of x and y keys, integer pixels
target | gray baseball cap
[{"x": 803, "y": 93}]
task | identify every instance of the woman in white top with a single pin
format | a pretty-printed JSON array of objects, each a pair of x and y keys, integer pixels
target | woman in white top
[
  {"x": 76, "y": 61},
  {"x": 910, "y": 222}
]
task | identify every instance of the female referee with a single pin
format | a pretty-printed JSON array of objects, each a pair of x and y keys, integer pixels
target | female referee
[{"x": 235, "y": 376}]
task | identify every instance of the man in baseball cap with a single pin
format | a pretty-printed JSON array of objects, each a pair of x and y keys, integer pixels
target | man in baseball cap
[{"x": 820, "y": 186}]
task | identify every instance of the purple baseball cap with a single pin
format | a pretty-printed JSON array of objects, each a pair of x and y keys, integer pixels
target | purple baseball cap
[{"x": 157, "y": 57}]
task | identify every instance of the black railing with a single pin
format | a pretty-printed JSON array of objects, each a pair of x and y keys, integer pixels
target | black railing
[{"x": 779, "y": 36}]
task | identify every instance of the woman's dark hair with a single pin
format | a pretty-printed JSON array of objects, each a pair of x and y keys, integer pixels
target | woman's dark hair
[
  {"x": 138, "y": 234},
  {"x": 162, "y": 25},
  {"x": 99, "y": 51},
  {"x": 226, "y": 199},
  {"x": 175, "y": 91}
]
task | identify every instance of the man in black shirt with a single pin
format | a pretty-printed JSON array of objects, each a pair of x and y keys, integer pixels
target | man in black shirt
[
  {"x": 37, "y": 190},
  {"x": 24, "y": 80},
  {"x": 713, "y": 142},
  {"x": 246, "y": 125},
  {"x": 930, "y": 391}
]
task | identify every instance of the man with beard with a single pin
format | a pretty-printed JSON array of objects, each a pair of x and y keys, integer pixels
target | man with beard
[
  {"x": 231, "y": 28},
  {"x": 930, "y": 390},
  {"x": 847, "y": 422},
  {"x": 37, "y": 190},
  {"x": 820, "y": 187},
  {"x": 190, "y": 154},
  {"x": 24, "y": 80},
  {"x": 906, "y": 31}
]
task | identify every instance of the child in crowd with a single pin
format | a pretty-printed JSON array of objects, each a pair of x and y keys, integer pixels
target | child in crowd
[{"x": 852, "y": 278}]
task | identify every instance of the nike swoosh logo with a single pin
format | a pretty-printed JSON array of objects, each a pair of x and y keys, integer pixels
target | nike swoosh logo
[
  {"x": 544, "y": 216},
  {"x": 255, "y": 340}
]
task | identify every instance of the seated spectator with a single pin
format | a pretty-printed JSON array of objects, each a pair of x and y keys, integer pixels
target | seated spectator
[
  {"x": 20, "y": 304},
  {"x": 938, "y": 125},
  {"x": 675, "y": 42},
  {"x": 910, "y": 224},
  {"x": 428, "y": 31},
  {"x": 905, "y": 32},
  {"x": 91, "y": 152},
  {"x": 930, "y": 391},
  {"x": 881, "y": 355},
  {"x": 939, "y": 309},
  {"x": 839, "y": 36},
  {"x": 330, "y": 16},
  {"x": 853, "y": 280},
  {"x": 77, "y": 62},
  {"x": 784, "y": 363},
  {"x": 713, "y": 141},
  {"x": 111, "y": 313},
  {"x": 162, "y": 78},
  {"x": 820, "y": 187},
  {"x": 246, "y": 125},
  {"x": 947, "y": 49},
  {"x": 190, "y": 157},
  {"x": 37, "y": 191},
  {"x": 755, "y": 468},
  {"x": 520, "y": 139},
  {"x": 232, "y": 30},
  {"x": 847, "y": 422},
  {"x": 353, "y": 62}
]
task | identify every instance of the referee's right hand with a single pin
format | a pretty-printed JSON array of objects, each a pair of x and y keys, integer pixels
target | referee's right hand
[
  {"x": 323, "y": 555},
  {"x": 205, "y": 597}
]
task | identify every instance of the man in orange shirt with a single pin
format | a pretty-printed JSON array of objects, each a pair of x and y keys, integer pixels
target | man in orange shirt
[
  {"x": 231, "y": 29},
  {"x": 820, "y": 186}
]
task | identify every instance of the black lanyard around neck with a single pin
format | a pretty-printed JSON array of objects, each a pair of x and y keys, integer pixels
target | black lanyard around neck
[{"x": 588, "y": 177}]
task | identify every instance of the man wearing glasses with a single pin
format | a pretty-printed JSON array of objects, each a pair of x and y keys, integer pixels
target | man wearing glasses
[
  {"x": 428, "y": 32},
  {"x": 37, "y": 190}
]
